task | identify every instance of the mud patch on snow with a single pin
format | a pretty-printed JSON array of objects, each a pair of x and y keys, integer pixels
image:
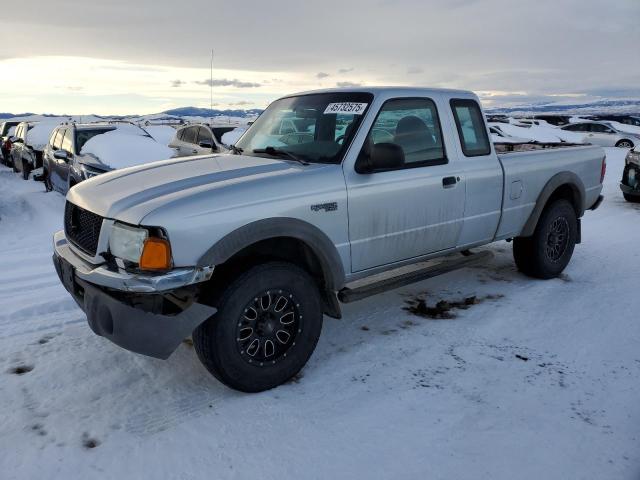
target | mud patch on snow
[
  {"x": 38, "y": 429},
  {"x": 89, "y": 442},
  {"x": 444, "y": 309},
  {"x": 20, "y": 369}
]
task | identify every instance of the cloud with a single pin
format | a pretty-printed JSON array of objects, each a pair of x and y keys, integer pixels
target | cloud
[
  {"x": 322, "y": 75},
  {"x": 240, "y": 103},
  {"x": 224, "y": 82},
  {"x": 347, "y": 84},
  {"x": 414, "y": 70},
  {"x": 345, "y": 70},
  {"x": 177, "y": 83}
]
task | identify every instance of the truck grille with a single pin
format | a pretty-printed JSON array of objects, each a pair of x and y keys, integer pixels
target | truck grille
[{"x": 82, "y": 228}]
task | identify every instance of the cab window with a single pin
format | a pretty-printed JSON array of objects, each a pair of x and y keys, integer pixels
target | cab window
[
  {"x": 412, "y": 124},
  {"x": 471, "y": 127}
]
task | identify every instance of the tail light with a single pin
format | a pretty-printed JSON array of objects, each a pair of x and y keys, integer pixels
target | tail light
[{"x": 603, "y": 169}]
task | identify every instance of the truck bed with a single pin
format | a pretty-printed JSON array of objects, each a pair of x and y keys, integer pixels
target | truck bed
[
  {"x": 529, "y": 166},
  {"x": 506, "y": 147}
]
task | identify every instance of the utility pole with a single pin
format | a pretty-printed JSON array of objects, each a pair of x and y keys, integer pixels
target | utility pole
[{"x": 211, "y": 90}]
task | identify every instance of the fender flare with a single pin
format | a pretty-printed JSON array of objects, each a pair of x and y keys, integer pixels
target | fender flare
[
  {"x": 312, "y": 236},
  {"x": 558, "y": 180}
]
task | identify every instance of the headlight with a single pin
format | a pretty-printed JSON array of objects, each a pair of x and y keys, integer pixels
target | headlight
[
  {"x": 89, "y": 172},
  {"x": 134, "y": 244},
  {"x": 127, "y": 242}
]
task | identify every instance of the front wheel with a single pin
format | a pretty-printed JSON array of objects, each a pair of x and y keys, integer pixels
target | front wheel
[
  {"x": 624, "y": 144},
  {"x": 267, "y": 325},
  {"x": 547, "y": 252},
  {"x": 631, "y": 198}
]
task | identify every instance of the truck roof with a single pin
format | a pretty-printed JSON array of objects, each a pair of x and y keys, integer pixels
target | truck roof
[{"x": 388, "y": 90}]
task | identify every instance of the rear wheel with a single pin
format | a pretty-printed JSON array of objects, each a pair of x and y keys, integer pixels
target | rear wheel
[
  {"x": 624, "y": 144},
  {"x": 267, "y": 325},
  {"x": 547, "y": 252}
]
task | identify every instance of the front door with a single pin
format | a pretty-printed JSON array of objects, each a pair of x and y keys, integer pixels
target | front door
[{"x": 413, "y": 210}]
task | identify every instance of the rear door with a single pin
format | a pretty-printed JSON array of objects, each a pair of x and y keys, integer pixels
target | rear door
[
  {"x": 411, "y": 211},
  {"x": 481, "y": 171}
]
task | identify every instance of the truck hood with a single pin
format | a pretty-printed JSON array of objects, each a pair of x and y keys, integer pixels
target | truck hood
[{"x": 132, "y": 193}]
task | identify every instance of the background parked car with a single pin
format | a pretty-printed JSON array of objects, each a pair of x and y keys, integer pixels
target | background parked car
[
  {"x": 557, "y": 120},
  {"x": 28, "y": 146},
  {"x": 604, "y": 134},
  {"x": 7, "y": 130},
  {"x": 630, "y": 184},
  {"x": 625, "y": 119},
  {"x": 76, "y": 152},
  {"x": 198, "y": 139}
]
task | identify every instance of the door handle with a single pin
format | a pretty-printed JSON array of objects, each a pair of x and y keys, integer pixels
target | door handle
[
  {"x": 194, "y": 151},
  {"x": 450, "y": 182}
]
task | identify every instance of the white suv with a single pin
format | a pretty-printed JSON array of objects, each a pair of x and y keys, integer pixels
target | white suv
[{"x": 196, "y": 139}]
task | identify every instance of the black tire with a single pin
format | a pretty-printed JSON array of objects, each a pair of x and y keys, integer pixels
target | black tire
[
  {"x": 631, "y": 198},
  {"x": 547, "y": 252},
  {"x": 624, "y": 143},
  {"x": 223, "y": 344}
]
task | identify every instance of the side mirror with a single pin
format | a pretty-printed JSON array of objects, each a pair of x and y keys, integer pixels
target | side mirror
[
  {"x": 383, "y": 156},
  {"x": 61, "y": 155},
  {"x": 206, "y": 144}
]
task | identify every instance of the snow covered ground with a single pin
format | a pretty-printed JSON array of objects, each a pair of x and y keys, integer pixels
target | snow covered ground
[{"x": 539, "y": 380}]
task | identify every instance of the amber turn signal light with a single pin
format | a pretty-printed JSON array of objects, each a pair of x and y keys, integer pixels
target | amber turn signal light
[{"x": 156, "y": 254}]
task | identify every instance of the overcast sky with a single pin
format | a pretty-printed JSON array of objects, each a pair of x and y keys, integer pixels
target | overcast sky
[{"x": 144, "y": 56}]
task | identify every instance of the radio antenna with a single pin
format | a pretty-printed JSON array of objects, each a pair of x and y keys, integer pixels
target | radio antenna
[{"x": 211, "y": 90}]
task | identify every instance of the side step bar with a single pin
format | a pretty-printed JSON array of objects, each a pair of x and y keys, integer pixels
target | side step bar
[{"x": 348, "y": 295}]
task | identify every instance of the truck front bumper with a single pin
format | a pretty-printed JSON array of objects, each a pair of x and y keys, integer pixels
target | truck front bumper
[{"x": 128, "y": 309}]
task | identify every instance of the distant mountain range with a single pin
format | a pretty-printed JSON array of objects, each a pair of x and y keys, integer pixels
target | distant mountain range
[
  {"x": 177, "y": 112},
  {"x": 207, "y": 112},
  {"x": 602, "y": 106}
]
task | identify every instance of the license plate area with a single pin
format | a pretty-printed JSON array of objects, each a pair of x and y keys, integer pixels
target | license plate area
[{"x": 67, "y": 275}]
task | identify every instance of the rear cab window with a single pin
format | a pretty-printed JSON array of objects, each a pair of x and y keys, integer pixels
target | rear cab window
[{"x": 471, "y": 127}]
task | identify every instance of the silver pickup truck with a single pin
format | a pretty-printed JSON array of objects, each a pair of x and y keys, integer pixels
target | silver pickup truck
[{"x": 365, "y": 190}]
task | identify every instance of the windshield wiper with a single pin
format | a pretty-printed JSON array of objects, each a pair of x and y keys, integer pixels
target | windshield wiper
[
  {"x": 279, "y": 153},
  {"x": 236, "y": 150}
]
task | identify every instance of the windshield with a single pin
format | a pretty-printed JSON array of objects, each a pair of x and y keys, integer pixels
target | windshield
[
  {"x": 82, "y": 136},
  {"x": 316, "y": 127}
]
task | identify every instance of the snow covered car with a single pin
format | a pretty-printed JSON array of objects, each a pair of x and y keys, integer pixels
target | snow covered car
[
  {"x": 604, "y": 134},
  {"x": 198, "y": 139},
  {"x": 247, "y": 251},
  {"x": 76, "y": 152},
  {"x": 29, "y": 142},
  {"x": 630, "y": 184},
  {"x": 7, "y": 130}
]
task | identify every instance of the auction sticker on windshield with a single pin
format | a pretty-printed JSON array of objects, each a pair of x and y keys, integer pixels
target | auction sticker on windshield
[{"x": 346, "y": 107}]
